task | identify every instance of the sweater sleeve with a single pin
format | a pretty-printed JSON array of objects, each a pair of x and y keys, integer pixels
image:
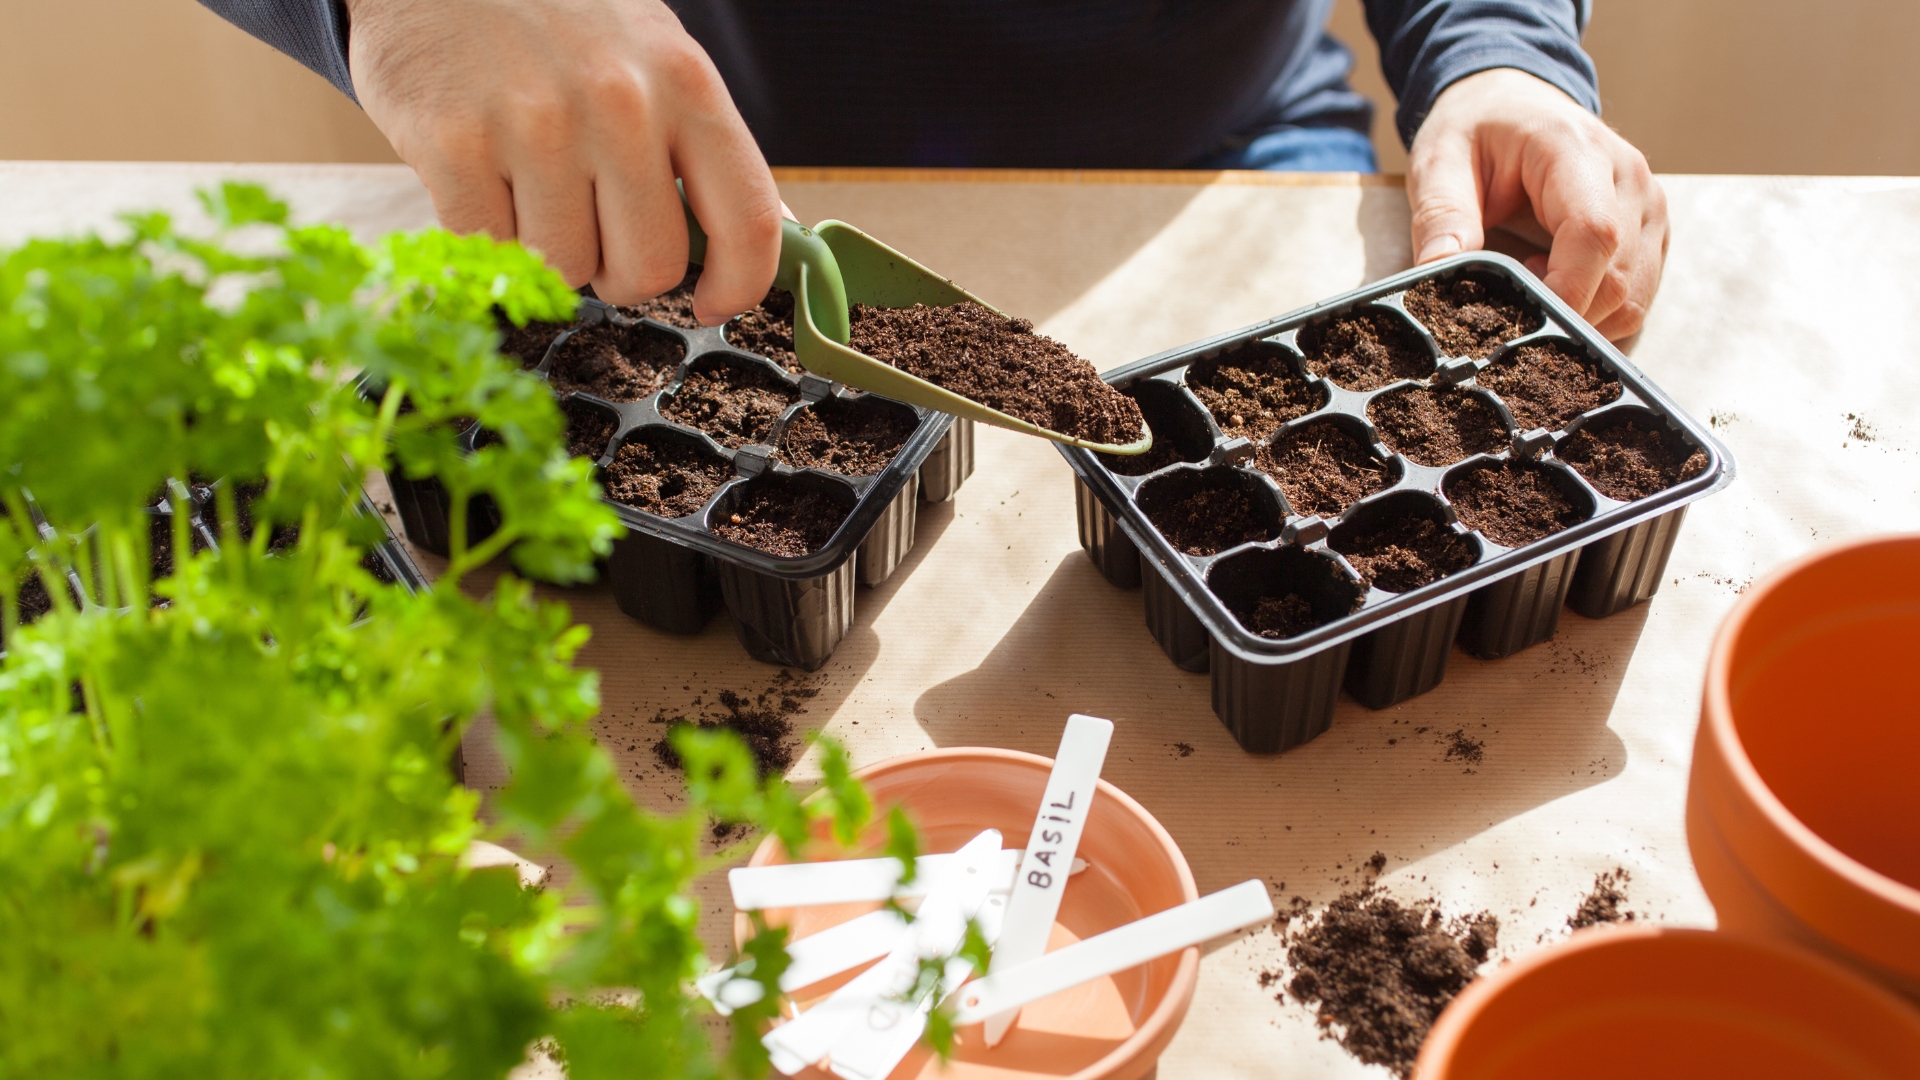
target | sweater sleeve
[
  {"x": 1427, "y": 45},
  {"x": 313, "y": 32}
]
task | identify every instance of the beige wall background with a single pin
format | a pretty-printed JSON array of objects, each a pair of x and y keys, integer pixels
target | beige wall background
[{"x": 1713, "y": 86}]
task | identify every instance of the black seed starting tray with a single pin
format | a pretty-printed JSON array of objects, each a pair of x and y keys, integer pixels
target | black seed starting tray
[
  {"x": 1338, "y": 497},
  {"x": 697, "y": 468}
]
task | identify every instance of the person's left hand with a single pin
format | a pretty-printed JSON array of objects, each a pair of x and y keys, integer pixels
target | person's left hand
[{"x": 1502, "y": 141}]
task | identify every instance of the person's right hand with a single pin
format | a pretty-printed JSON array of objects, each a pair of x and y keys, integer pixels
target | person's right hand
[{"x": 563, "y": 123}]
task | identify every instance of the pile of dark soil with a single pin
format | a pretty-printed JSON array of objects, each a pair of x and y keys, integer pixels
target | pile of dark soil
[
  {"x": 736, "y": 402},
  {"x": 1365, "y": 350},
  {"x": 846, "y": 437},
  {"x": 1437, "y": 426},
  {"x": 673, "y": 307},
  {"x": 1322, "y": 468},
  {"x": 614, "y": 363},
  {"x": 764, "y": 723},
  {"x": 1210, "y": 516},
  {"x": 665, "y": 477},
  {"x": 1378, "y": 973},
  {"x": 1403, "y": 554},
  {"x": 787, "y": 520},
  {"x": 33, "y": 601},
  {"x": 1547, "y": 384},
  {"x": 1605, "y": 903},
  {"x": 767, "y": 329},
  {"x": 1285, "y": 616},
  {"x": 1512, "y": 504},
  {"x": 1001, "y": 363},
  {"x": 1632, "y": 460},
  {"x": 375, "y": 565},
  {"x": 527, "y": 344},
  {"x": 282, "y": 537},
  {"x": 1252, "y": 390},
  {"x": 1472, "y": 313},
  {"x": 589, "y": 428},
  {"x": 1463, "y": 748}
]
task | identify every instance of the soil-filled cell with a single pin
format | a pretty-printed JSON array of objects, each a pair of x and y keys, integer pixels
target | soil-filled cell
[
  {"x": 784, "y": 516},
  {"x": 1285, "y": 592},
  {"x": 1547, "y": 383},
  {"x": 589, "y": 428},
  {"x": 527, "y": 344},
  {"x": 673, "y": 307},
  {"x": 1402, "y": 546},
  {"x": 1437, "y": 425},
  {"x": 1207, "y": 512},
  {"x": 663, "y": 475},
  {"x": 1179, "y": 431},
  {"x": 614, "y": 362},
  {"x": 1323, "y": 468},
  {"x": 734, "y": 400},
  {"x": 1252, "y": 389},
  {"x": 1473, "y": 312},
  {"x": 767, "y": 329},
  {"x": 1365, "y": 350},
  {"x": 1000, "y": 363},
  {"x": 1513, "y": 504},
  {"x": 1632, "y": 457},
  {"x": 854, "y": 438}
]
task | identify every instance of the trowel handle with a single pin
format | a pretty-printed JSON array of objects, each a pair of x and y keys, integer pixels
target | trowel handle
[{"x": 804, "y": 257}]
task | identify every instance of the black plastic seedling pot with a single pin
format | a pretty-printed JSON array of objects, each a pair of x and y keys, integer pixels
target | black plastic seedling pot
[
  {"x": 1271, "y": 561},
  {"x": 676, "y": 573}
]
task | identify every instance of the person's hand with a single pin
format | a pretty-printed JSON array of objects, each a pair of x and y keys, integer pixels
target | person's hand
[
  {"x": 564, "y": 123},
  {"x": 1500, "y": 142}
]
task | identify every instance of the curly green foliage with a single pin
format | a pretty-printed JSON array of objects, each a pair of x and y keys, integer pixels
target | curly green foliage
[{"x": 229, "y": 842}]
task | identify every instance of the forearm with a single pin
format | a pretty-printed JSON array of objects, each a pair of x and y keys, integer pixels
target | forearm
[{"x": 313, "y": 32}]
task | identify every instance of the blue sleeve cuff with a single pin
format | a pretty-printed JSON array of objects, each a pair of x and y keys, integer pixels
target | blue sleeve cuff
[{"x": 313, "y": 32}]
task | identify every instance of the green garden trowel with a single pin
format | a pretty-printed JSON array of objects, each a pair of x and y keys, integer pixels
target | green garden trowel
[{"x": 834, "y": 264}]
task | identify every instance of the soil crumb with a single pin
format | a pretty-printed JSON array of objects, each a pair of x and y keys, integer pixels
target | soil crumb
[
  {"x": 527, "y": 344},
  {"x": 614, "y": 363},
  {"x": 1378, "y": 972},
  {"x": 1437, "y": 426},
  {"x": 1473, "y": 312},
  {"x": 1365, "y": 350},
  {"x": 1633, "y": 459},
  {"x": 854, "y": 438},
  {"x": 1512, "y": 504},
  {"x": 1284, "y": 616},
  {"x": 664, "y": 476},
  {"x": 589, "y": 428},
  {"x": 1001, "y": 363},
  {"x": 1183, "y": 749},
  {"x": 1605, "y": 903},
  {"x": 784, "y": 519},
  {"x": 1404, "y": 553},
  {"x": 735, "y": 402},
  {"x": 1322, "y": 468},
  {"x": 767, "y": 329},
  {"x": 764, "y": 721},
  {"x": 1546, "y": 385},
  {"x": 1206, "y": 513},
  {"x": 673, "y": 307},
  {"x": 1463, "y": 748},
  {"x": 1251, "y": 390}
]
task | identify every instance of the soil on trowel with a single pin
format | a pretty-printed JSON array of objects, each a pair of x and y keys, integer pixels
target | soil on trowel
[
  {"x": 614, "y": 363},
  {"x": 1377, "y": 972},
  {"x": 1546, "y": 385},
  {"x": 589, "y": 428},
  {"x": 846, "y": 437},
  {"x": 1365, "y": 350},
  {"x": 736, "y": 403},
  {"x": 1000, "y": 363},
  {"x": 1208, "y": 518},
  {"x": 1606, "y": 903},
  {"x": 1632, "y": 460},
  {"x": 1512, "y": 504},
  {"x": 1251, "y": 391},
  {"x": 673, "y": 307},
  {"x": 1322, "y": 468},
  {"x": 1404, "y": 553},
  {"x": 1472, "y": 313},
  {"x": 1284, "y": 616},
  {"x": 767, "y": 329},
  {"x": 784, "y": 520},
  {"x": 527, "y": 344},
  {"x": 764, "y": 721},
  {"x": 1437, "y": 426},
  {"x": 665, "y": 477}
]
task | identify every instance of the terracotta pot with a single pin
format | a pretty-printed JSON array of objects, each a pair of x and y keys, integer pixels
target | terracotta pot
[
  {"x": 1652, "y": 1003},
  {"x": 1803, "y": 811},
  {"x": 1110, "y": 1029}
]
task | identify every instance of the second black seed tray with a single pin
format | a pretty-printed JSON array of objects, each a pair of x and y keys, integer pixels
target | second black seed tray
[{"x": 1382, "y": 646}]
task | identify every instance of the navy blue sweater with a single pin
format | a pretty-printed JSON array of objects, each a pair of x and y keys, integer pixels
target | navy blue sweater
[{"x": 1053, "y": 83}]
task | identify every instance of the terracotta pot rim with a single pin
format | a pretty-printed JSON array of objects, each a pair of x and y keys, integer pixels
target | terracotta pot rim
[{"x": 1719, "y": 724}]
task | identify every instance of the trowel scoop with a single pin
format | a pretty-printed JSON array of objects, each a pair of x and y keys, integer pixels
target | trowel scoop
[{"x": 832, "y": 264}]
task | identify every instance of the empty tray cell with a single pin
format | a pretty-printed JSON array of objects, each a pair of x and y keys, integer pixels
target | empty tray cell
[
  {"x": 1365, "y": 349},
  {"x": 590, "y": 428},
  {"x": 527, "y": 344},
  {"x": 664, "y": 473},
  {"x": 614, "y": 362},
  {"x": 1324, "y": 466},
  {"x": 1284, "y": 592},
  {"x": 1516, "y": 503},
  {"x": 673, "y": 307},
  {"x": 1252, "y": 389},
  {"x": 1473, "y": 312},
  {"x": 1403, "y": 542},
  {"x": 767, "y": 329},
  {"x": 1179, "y": 430},
  {"x": 1437, "y": 426},
  {"x": 1631, "y": 454},
  {"x": 787, "y": 516},
  {"x": 1549, "y": 382},
  {"x": 731, "y": 398},
  {"x": 851, "y": 436},
  {"x": 1207, "y": 511}
]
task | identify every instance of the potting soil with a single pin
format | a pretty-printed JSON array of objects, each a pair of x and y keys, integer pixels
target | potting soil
[
  {"x": 1631, "y": 460},
  {"x": 1251, "y": 391},
  {"x": 613, "y": 362},
  {"x": 673, "y": 307},
  {"x": 767, "y": 329},
  {"x": 528, "y": 344},
  {"x": 1210, "y": 518},
  {"x": 1547, "y": 384},
  {"x": 1284, "y": 616},
  {"x": 1321, "y": 468},
  {"x": 589, "y": 428},
  {"x": 783, "y": 519},
  {"x": 1512, "y": 504},
  {"x": 1472, "y": 313},
  {"x": 1437, "y": 426},
  {"x": 846, "y": 437},
  {"x": 1404, "y": 554},
  {"x": 764, "y": 722},
  {"x": 666, "y": 477},
  {"x": 736, "y": 403},
  {"x": 1365, "y": 350},
  {"x": 1606, "y": 903}
]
